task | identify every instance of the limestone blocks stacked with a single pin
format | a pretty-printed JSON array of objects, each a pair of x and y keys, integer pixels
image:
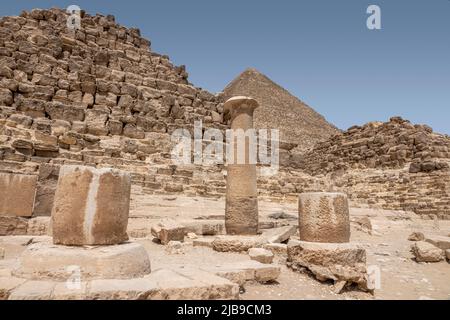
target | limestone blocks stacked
[
  {"x": 324, "y": 248},
  {"x": 90, "y": 209}
]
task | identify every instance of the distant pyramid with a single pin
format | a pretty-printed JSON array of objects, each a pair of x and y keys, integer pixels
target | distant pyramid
[{"x": 297, "y": 122}]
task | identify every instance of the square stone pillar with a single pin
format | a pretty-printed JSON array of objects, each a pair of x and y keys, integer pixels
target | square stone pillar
[
  {"x": 324, "y": 217},
  {"x": 91, "y": 206}
]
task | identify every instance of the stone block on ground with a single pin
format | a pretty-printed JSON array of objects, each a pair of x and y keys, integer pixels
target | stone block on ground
[
  {"x": 236, "y": 243},
  {"x": 2, "y": 253},
  {"x": 276, "y": 248},
  {"x": 426, "y": 252},
  {"x": 239, "y": 243},
  {"x": 175, "y": 247},
  {"x": 166, "y": 284},
  {"x": 44, "y": 260},
  {"x": 17, "y": 193},
  {"x": 416, "y": 236},
  {"x": 279, "y": 235},
  {"x": 447, "y": 254},
  {"x": 205, "y": 228},
  {"x": 324, "y": 217},
  {"x": 168, "y": 230},
  {"x": 39, "y": 226},
  {"x": 203, "y": 242},
  {"x": 91, "y": 206},
  {"x": 33, "y": 290},
  {"x": 330, "y": 261},
  {"x": 442, "y": 242},
  {"x": 8, "y": 284},
  {"x": 261, "y": 255},
  {"x": 69, "y": 291},
  {"x": 10, "y": 226},
  {"x": 243, "y": 271}
]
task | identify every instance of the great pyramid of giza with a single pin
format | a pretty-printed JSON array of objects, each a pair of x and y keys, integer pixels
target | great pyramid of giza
[{"x": 298, "y": 123}]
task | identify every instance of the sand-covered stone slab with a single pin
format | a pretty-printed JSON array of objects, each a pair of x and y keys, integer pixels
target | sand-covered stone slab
[{"x": 48, "y": 261}]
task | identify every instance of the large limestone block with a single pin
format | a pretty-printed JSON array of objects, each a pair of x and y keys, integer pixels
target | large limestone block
[
  {"x": 17, "y": 193},
  {"x": 442, "y": 242},
  {"x": 91, "y": 206},
  {"x": 229, "y": 243},
  {"x": 33, "y": 290},
  {"x": 13, "y": 226},
  {"x": 261, "y": 255},
  {"x": 7, "y": 285},
  {"x": 330, "y": 261},
  {"x": 166, "y": 284},
  {"x": 324, "y": 217},
  {"x": 168, "y": 230},
  {"x": 426, "y": 252},
  {"x": 48, "y": 261},
  {"x": 243, "y": 271}
]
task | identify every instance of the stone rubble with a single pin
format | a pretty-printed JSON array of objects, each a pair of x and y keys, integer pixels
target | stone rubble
[
  {"x": 168, "y": 230},
  {"x": 261, "y": 255},
  {"x": 426, "y": 252}
]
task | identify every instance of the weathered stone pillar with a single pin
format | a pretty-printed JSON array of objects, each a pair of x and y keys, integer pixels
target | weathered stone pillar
[
  {"x": 241, "y": 207},
  {"x": 91, "y": 206},
  {"x": 323, "y": 217}
]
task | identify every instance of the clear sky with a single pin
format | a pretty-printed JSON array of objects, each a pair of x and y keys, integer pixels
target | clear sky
[{"x": 319, "y": 50}]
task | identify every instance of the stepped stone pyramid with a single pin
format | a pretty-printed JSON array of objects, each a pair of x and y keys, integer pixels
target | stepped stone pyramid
[{"x": 298, "y": 123}]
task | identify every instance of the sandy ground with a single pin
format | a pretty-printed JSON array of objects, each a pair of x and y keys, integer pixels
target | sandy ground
[{"x": 387, "y": 249}]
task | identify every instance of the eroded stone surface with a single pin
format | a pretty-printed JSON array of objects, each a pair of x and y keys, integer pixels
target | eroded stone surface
[
  {"x": 240, "y": 272},
  {"x": 91, "y": 206},
  {"x": 33, "y": 290},
  {"x": 442, "y": 242},
  {"x": 168, "y": 230},
  {"x": 426, "y": 252},
  {"x": 13, "y": 226},
  {"x": 323, "y": 217},
  {"x": 261, "y": 255},
  {"x": 330, "y": 261},
  {"x": 48, "y": 261},
  {"x": 8, "y": 284},
  {"x": 17, "y": 193}
]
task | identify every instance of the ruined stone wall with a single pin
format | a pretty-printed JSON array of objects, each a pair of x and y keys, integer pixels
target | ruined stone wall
[
  {"x": 394, "y": 165},
  {"x": 427, "y": 194},
  {"x": 97, "y": 96},
  {"x": 101, "y": 97},
  {"x": 393, "y": 144}
]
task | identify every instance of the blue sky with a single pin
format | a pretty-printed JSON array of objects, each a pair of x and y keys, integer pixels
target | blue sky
[{"x": 319, "y": 50}]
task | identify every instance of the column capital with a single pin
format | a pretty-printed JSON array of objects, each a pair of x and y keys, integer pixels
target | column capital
[{"x": 240, "y": 104}]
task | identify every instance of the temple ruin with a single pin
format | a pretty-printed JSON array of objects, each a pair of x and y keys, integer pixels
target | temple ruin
[{"x": 93, "y": 207}]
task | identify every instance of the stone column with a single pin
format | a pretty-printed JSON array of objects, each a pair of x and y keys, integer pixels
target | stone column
[
  {"x": 241, "y": 207},
  {"x": 91, "y": 206},
  {"x": 323, "y": 217}
]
